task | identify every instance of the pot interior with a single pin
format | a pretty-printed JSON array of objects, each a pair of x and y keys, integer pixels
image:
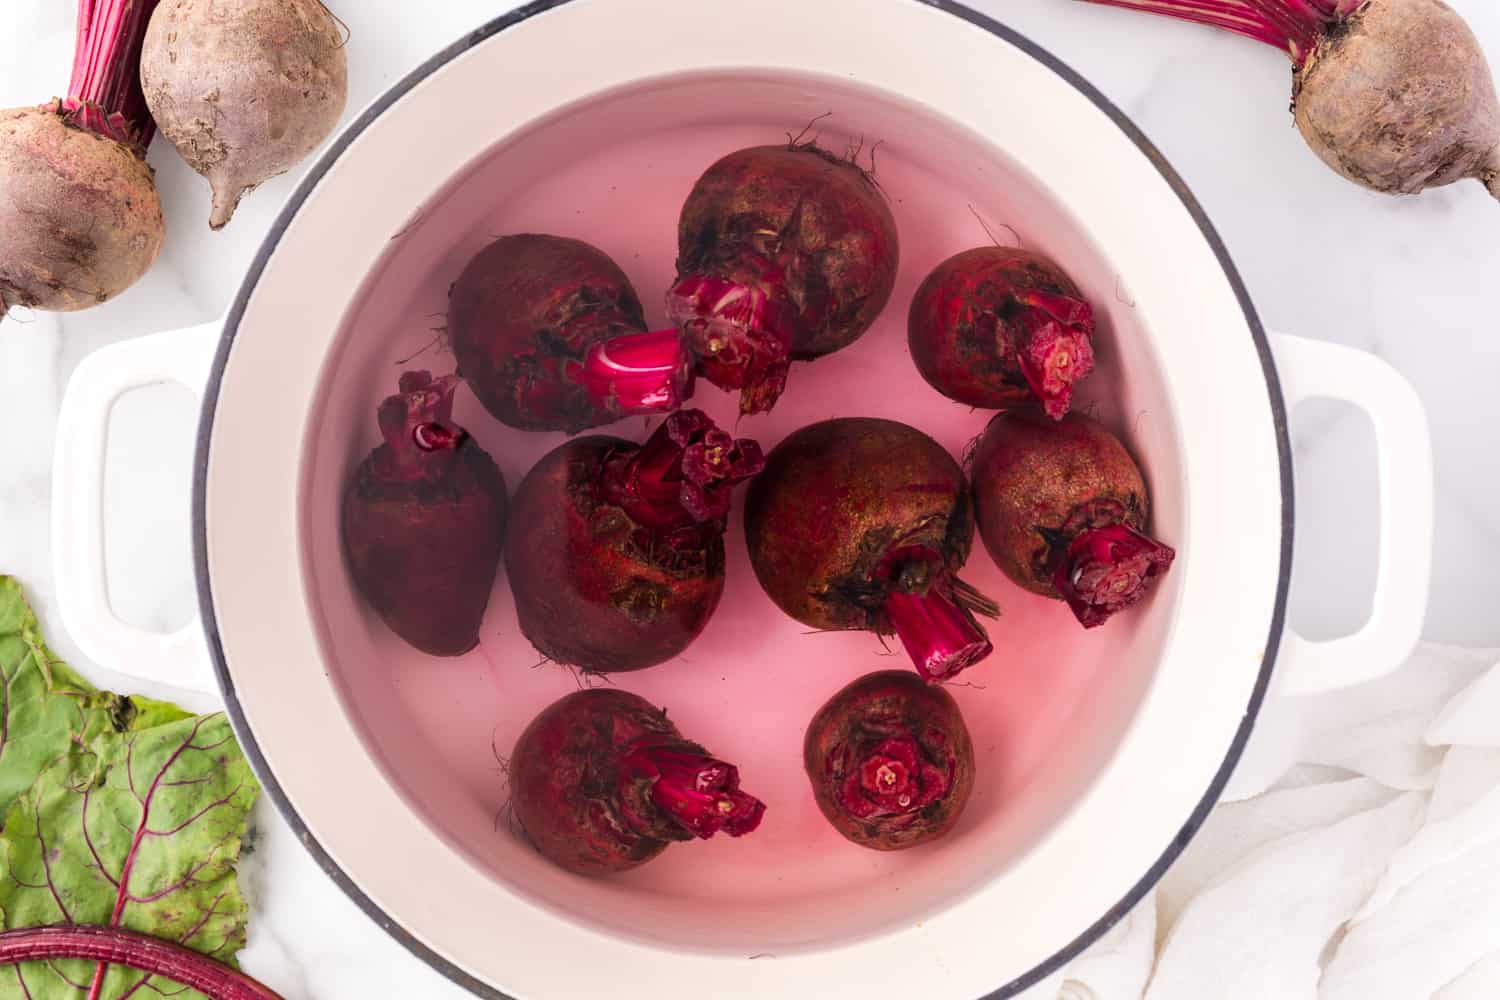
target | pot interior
[{"x": 1046, "y": 710}]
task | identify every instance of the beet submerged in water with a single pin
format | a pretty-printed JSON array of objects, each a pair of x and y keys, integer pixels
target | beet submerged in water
[
  {"x": 602, "y": 782},
  {"x": 549, "y": 334},
  {"x": 890, "y": 761},
  {"x": 860, "y": 523},
  {"x": 616, "y": 551},
  {"x": 424, "y": 520},
  {"x": 1063, "y": 509},
  {"x": 997, "y": 326},
  {"x": 784, "y": 253}
]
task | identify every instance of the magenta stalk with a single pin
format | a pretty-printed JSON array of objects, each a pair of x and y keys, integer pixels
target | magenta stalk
[
  {"x": 104, "y": 94},
  {"x": 638, "y": 373}
]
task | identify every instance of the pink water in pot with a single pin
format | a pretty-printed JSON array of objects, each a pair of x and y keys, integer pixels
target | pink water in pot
[{"x": 1045, "y": 710}]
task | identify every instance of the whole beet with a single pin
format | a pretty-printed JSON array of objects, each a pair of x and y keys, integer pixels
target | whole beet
[
  {"x": 861, "y": 523},
  {"x": 80, "y": 217},
  {"x": 616, "y": 552},
  {"x": 784, "y": 253},
  {"x": 549, "y": 334},
  {"x": 1062, "y": 509},
  {"x": 890, "y": 761},
  {"x": 998, "y": 326},
  {"x": 602, "y": 782},
  {"x": 244, "y": 89},
  {"x": 423, "y": 521},
  {"x": 1393, "y": 94}
]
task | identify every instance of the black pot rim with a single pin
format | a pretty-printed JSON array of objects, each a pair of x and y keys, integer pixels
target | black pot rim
[{"x": 247, "y": 739}]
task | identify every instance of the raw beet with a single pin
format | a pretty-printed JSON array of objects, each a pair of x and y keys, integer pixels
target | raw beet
[
  {"x": 602, "y": 782},
  {"x": 424, "y": 521},
  {"x": 997, "y": 326},
  {"x": 245, "y": 89},
  {"x": 860, "y": 523},
  {"x": 784, "y": 253},
  {"x": 890, "y": 761},
  {"x": 80, "y": 216},
  {"x": 549, "y": 334},
  {"x": 616, "y": 551},
  {"x": 1063, "y": 509},
  {"x": 1393, "y": 94}
]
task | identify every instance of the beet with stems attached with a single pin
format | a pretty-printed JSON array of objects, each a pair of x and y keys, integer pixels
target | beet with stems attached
[
  {"x": 80, "y": 218},
  {"x": 549, "y": 334},
  {"x": 1062, "y": 510},
  {"x": 616, "y": 551},
  {"x": 890, "y": 761},
  {"x": 997, "y": 326},
  {"x": 1393, "y": 94},
  {"x": 860, "y": 523},
  {"x": 424, "y": 519},
  {"x": 784, "y": 253},
  {"x": 602, "y": 782},
  {"x": 244, "y": 89}
]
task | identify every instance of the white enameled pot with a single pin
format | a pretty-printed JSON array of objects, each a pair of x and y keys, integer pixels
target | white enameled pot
[{"x": 1099, "y": 753}]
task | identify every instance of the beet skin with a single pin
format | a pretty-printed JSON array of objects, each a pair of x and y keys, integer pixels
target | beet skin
[
  {"x": 890, "y": 761},
  {"x": 529, "y": 319},
  {"x": 860, "y": 523},
  {"x": 1063, "y": 509},
  {"x": 602, "y": 782},
  {"x": 616, "y": 551},
  {"x": 995, "y": 327},
  {"x": 424, "y": 519},
  {"x": 784, "y": 253}
]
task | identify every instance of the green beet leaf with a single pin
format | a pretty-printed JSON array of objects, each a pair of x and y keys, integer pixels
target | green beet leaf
[{"x": 121, "y": 812}]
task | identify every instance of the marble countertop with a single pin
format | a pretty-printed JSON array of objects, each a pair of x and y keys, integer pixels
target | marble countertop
[{"x": 1407, "y": 279}]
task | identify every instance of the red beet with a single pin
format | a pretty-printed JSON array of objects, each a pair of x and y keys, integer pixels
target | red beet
[
  {"x": 861, "y": 523},
  {"x": 601, "y": 782},
  {"x": 1062, "y": 510},
  {"x": 785, "y": 253},
  {"x": 549, "y": 334},
  {"x": 616, "y": 551},
  {"x": 1395, "y": 95},
  {"x": 424, "y": 520},
  {"x": 997, "y": 326},
  {"x": 890, "y": 761}
]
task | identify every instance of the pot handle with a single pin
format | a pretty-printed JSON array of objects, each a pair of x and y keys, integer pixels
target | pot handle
[
  {"x": 1311, "y": 369},
  {"x": 185, "y": 356}
]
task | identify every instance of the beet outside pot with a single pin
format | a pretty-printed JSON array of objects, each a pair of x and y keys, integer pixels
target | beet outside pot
[{"x": 1098, "y": 753}]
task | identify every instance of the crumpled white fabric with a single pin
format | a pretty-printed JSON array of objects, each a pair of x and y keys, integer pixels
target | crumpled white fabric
[{"x": 1356, "y": 857}]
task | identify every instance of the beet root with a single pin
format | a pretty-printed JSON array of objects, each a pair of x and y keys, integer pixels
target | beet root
[
  {"x": 1062, "y": 509},
  {"x": 1395, "y": 95},
  {"x": 245, "y": 89},
  {"x": 549, "y": 333},
  {"x": 996, "y": 326},
  {"x": 423, "y": 521},
  {"x": 602, "y": 782},
  {"x": 860, "y": 523},
  {"x": 80, "y": 218},
  {"x": 890, "y": 761},
  {"x": 784, "y": 253},
  {"x": 616, "y": 551}
]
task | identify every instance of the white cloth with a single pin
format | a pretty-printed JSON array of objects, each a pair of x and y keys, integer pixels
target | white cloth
[{"x": 1356, "y": 857}]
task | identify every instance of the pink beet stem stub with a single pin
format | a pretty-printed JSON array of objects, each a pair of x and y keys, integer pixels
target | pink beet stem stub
[
  {"x": 684, "y": 474},
  {"x": 104, "y": 94},
  {"x": 1059, "y": 349},
  {"x": 941, "y": 637},
  {"x": 894, "y": 777},
  {"x": 1294, "y": 26},
  {"x": 699, "y": 793},
  {"x": 638, "y": 373},
  {"x": 1108, "y": 569},
  {"x": 733, "y": 331}
]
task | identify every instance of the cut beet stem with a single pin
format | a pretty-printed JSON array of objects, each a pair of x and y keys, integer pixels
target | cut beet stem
[
  {"x": 104, "y": 94},
  {"x": 141, "y": 952},
  {"x": 699, "y": 793},
  {"x": 638, "y": 373}
]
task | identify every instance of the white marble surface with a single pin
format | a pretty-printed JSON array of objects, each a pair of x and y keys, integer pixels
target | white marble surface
[{"x": 1407, "y": 279}]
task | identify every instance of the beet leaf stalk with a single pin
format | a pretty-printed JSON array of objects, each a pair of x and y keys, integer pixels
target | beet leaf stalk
[
  {"x": 104, "y": 95},
  {"x": 637, "y": 374},
  {"x": 1395, "y": 95},
  {"x": 696, "y": 792},
  {"x": 112, "y": 946}
]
